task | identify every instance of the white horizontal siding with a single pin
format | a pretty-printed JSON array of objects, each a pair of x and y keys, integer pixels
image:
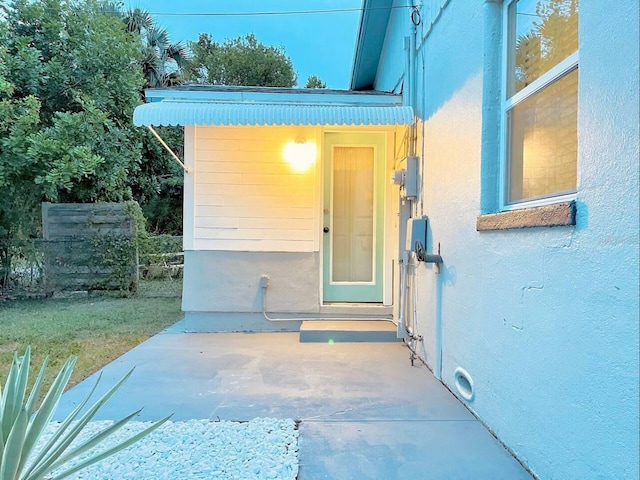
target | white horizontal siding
[
  {"x": 247, "y": 233},
  {"x": 252, "y": 245},
  {"x": 247, "y": 197},
  {"x": 282, "y": 179},
  {"x": 254, "y": 211},
  {"x": 244, "y": 190},
  {"x": 245, "y": 201},
  {"x": 262, "y": 223}
]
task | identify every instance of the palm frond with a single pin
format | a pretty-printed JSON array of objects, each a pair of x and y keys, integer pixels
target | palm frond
[
  {"x": 138, "y": 20},
  {"x": 158, "y": 37},
  {"x": 179, "y": 53}
]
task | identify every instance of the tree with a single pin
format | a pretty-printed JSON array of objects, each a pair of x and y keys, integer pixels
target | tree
[
  {"x": 18, "y": 117},
  {"x": 157, "y": 185},
  {"x": 241, "y": 61},
  {"x": 315, "y": 82},
  {"x": 161, "y": 60},
  {"x": 68, "y": 86}
]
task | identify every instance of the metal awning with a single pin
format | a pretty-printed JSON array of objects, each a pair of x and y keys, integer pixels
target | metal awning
[
  {"x": 175, "y": 112},
  {"x": 269, "y": 107}
]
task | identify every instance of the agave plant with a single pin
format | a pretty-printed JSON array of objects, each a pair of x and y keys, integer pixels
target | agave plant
[{"x": 22, "y": 425}]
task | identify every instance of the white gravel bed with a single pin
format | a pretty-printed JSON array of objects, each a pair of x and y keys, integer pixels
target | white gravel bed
[{"x": 263, "y": 448}]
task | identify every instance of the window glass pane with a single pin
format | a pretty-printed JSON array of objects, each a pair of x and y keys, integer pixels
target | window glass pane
[
  {"x": 543, "y": 141},
  {"x": 542, "y": 34},
  {"x": 352, "y": 210}
]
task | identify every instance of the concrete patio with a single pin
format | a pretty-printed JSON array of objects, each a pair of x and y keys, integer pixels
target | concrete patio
[{"x": 365, "y": 412}]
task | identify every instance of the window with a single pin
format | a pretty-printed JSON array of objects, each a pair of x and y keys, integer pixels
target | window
[{"x": 540, "y": 102}]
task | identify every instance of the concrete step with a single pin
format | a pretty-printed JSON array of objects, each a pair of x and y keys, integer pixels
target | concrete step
[
  {"x": 354, "y": 310},
  {"x": 323, "y": 331}
]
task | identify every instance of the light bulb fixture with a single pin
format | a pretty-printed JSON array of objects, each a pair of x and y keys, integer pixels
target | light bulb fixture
[{"x": 300, "y": 154}]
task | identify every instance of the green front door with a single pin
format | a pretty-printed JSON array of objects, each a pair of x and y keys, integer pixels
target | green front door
[{"x": 353, "y": 217}]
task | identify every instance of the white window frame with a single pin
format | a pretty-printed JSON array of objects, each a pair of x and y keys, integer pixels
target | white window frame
[{"x": 565, "y": 67}]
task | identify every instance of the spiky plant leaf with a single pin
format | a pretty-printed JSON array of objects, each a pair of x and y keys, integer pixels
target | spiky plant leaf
[
  {"x": 43, "y": 466},
  {"x": 40, "y": 421},
  {"x": 35, "y": 390},
  {"x": 13, "y": 447},
  {"x": 43, "y": 415},
  {"x": 23, "y": 378},
  {"x": 113, "y": 450},
  {"x": 8, "y": 399},
  {"x": 24, "y": 425},
  {"x": 94, "y": 440}
]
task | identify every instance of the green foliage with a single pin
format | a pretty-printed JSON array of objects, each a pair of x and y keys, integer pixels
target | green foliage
[
  {"x": 24, "y": 266},
  {"x": 315, "y": 82},
  {"x": 68, "y": 85},
  {"x": 115, "y": 254},
  {"x": 240, "y": 61},
  {"x": 22, "y": 425},
  {"x": 83, "y": 157},
  {"x": 158, "y": 182},
  {"x": 134, "y": 212},
  {"x": 160, "y": 244},
  {"x": 118, "y": 253}
]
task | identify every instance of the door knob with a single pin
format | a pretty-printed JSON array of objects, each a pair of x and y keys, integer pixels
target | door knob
[{"x": 325, "y": 229}]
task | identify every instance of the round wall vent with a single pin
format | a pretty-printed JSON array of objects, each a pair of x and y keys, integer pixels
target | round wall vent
[{"x": 464, "y": 384}]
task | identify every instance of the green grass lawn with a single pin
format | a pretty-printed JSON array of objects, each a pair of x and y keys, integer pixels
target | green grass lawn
[{"x": 96, "y": 328}]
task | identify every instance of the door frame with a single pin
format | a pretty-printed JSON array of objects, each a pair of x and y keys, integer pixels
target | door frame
[{"x": 382, "y": 267}]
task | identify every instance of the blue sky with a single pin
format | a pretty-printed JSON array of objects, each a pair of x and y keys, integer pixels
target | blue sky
[{"x": 319, "y": 44}]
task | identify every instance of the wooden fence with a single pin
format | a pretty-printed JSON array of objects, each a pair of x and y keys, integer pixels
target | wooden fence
[{"x": 89, "y": 246}]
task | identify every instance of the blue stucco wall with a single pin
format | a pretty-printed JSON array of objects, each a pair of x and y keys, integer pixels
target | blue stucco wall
[{"x": 545, "y": 320}]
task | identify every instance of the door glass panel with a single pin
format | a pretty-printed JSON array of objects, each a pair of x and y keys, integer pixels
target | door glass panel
[{"x": 352, "y": 211}]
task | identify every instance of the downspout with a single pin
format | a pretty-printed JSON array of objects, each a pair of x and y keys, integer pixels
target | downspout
[
  {"x": 413, "y": 140},
  {"x": 405, "y": 326},
  {"x": 404, "y": 205}
]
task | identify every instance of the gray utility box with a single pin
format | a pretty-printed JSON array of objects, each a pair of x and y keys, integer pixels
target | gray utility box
[
  {"x": 411, "y": 181},
  {"x": 418, "y": 235}
]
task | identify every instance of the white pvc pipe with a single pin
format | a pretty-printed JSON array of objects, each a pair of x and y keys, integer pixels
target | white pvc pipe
[
  {"x": 303, "y": 319},
  {"x": 402, "y": 327},
  {"x": 437, "y": 364}
]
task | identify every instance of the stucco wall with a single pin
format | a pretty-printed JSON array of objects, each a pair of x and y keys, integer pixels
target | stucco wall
[
  {"x": 219, "y": 285},
  {"x": 545, "y": 320}
]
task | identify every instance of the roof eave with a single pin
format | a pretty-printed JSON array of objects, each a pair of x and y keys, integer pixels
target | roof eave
[
  {"x": 371, "y": 34},
  {"x": 274, "y": 95}
]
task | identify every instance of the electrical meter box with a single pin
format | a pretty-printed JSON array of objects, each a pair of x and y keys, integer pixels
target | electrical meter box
[
  {"x": 411, "y": 178},
  {"x": 417, "y": 233}
]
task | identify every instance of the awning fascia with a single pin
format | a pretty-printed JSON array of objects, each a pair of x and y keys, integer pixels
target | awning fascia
[{"x": 240, "y": 108}]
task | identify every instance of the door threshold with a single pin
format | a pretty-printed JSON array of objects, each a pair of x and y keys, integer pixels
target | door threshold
[
  {"x": 363, "y": 309},
  {"x": 350, "y": 304}
]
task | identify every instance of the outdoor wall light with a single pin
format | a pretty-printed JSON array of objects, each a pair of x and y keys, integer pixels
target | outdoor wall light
[{"x": 300, "y": 154}]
